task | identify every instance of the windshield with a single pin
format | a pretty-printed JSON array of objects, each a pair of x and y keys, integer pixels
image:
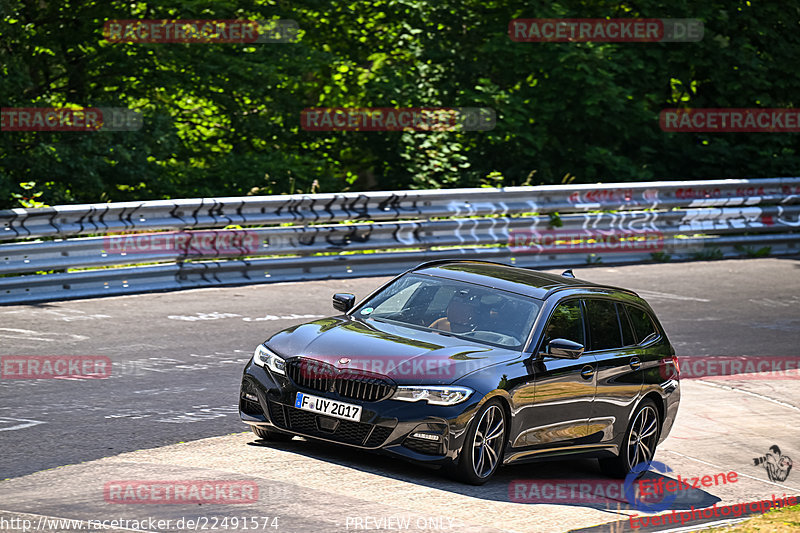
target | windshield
[{"x": 474, "y": 312}]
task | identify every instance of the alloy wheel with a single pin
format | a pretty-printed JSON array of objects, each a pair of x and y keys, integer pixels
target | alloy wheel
[
  {"x": 642, "y": 438},
  {"x": 487, "y": 445}
]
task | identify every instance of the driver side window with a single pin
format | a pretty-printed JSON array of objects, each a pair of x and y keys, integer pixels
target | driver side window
[{"x": 566, "y": 322}]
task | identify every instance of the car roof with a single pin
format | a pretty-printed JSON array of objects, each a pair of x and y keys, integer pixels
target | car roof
[{"x": 510, "y": 278}]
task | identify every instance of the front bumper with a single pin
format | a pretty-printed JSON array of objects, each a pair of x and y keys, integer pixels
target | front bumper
[{"x": 386, "y": 426}]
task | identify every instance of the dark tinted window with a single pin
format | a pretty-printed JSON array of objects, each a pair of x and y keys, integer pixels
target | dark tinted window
[
  {"x": 643, "y": 325},
  {"x": 565, "y": 323},
  {"x": 603, "y": 324},
  {"x": 628, "y": 338}
]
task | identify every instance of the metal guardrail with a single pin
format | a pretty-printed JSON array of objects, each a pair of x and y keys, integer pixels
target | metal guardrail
[{"x": 121, "y": 248}]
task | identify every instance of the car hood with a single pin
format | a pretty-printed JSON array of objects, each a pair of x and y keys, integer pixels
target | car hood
[{"x": 406, "y": 355}]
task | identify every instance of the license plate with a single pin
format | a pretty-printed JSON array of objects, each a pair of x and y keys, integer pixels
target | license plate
[{"x": 324, "y": 406}]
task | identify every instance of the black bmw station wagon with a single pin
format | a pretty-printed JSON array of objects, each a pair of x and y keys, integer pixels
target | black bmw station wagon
[{"x": 472, "y": 365}]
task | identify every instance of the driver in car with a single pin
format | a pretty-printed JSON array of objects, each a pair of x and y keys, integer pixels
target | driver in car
[{"x": 461, "y": 314}]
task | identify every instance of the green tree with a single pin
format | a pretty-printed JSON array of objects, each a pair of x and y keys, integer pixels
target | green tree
[{"x": 224, "y": 119}]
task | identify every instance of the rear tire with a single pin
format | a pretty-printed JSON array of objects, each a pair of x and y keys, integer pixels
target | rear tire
[
  {"x": 482, "y": 452},
  {"x": 266, "y": 434},
  {"x": 639, "y": 444}
]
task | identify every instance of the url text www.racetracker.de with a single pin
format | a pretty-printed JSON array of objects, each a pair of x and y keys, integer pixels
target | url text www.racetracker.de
[{"x": 197, "y": 523}]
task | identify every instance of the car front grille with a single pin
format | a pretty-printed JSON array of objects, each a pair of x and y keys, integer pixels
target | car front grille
[
  {"x": 348, "y": 383},
  {"x": 345, "y": 431}
]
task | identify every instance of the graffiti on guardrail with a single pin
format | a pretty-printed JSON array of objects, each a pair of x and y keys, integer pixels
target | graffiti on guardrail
[
  {"x": 785, "y": 217},
  {"x": 345, "y": 207},
  {"x": 307, "y": 236}
]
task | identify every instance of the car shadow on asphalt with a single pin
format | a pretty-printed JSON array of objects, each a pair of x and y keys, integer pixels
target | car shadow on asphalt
[{"x": 503, "y": 486}]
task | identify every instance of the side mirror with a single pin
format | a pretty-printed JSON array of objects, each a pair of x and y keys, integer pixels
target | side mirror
[
  {"x": 343, "y": 301},
  {"x": 564, "y": 349}
]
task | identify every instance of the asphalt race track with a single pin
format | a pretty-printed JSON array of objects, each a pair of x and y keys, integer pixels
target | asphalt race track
[{"x": 167, "y": 411}]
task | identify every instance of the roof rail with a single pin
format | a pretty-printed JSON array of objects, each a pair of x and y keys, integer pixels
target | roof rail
[
  {"x": 571, "y": 285},
  {"x": 435, "y": 262},
  {"x": 590, "y": 285}
]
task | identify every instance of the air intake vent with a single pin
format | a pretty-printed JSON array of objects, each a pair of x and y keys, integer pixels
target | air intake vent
[
  {"x": 248, "y": 402},
  {"x": 344, "y": 431}
]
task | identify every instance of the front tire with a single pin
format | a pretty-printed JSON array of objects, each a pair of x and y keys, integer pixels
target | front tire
[
  {"x": 639, "y": 445},
  {"x": 266, "y": 434},
  {"x": 482, "y": 452}
]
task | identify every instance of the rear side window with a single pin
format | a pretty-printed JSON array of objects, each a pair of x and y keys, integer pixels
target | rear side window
[
  {"x": 628, "y": 337},
  {"x": 604, "y": 329},
  {"x": 643, "y": 326}
]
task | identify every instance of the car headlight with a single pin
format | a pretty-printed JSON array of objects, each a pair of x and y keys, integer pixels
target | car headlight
[
  {"x": 435, "y": 395},
  {"x": 264, "y": 357}
]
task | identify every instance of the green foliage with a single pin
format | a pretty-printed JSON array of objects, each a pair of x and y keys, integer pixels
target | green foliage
[
  {"x": 28, "y": 199},
  {"x": 709, "y": 254},
  {"x": 661, "y": 257},
  {"x": 750, "y": 251},
  {"x": 224, "y": 119},
  {"x": 492, "y": 180},
  {"x": 555, "y": 220}
]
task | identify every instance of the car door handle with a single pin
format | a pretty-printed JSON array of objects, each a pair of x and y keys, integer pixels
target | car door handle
[
  {"x": 587, "y": 372},
  {"x": 636, "y": 363}
]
